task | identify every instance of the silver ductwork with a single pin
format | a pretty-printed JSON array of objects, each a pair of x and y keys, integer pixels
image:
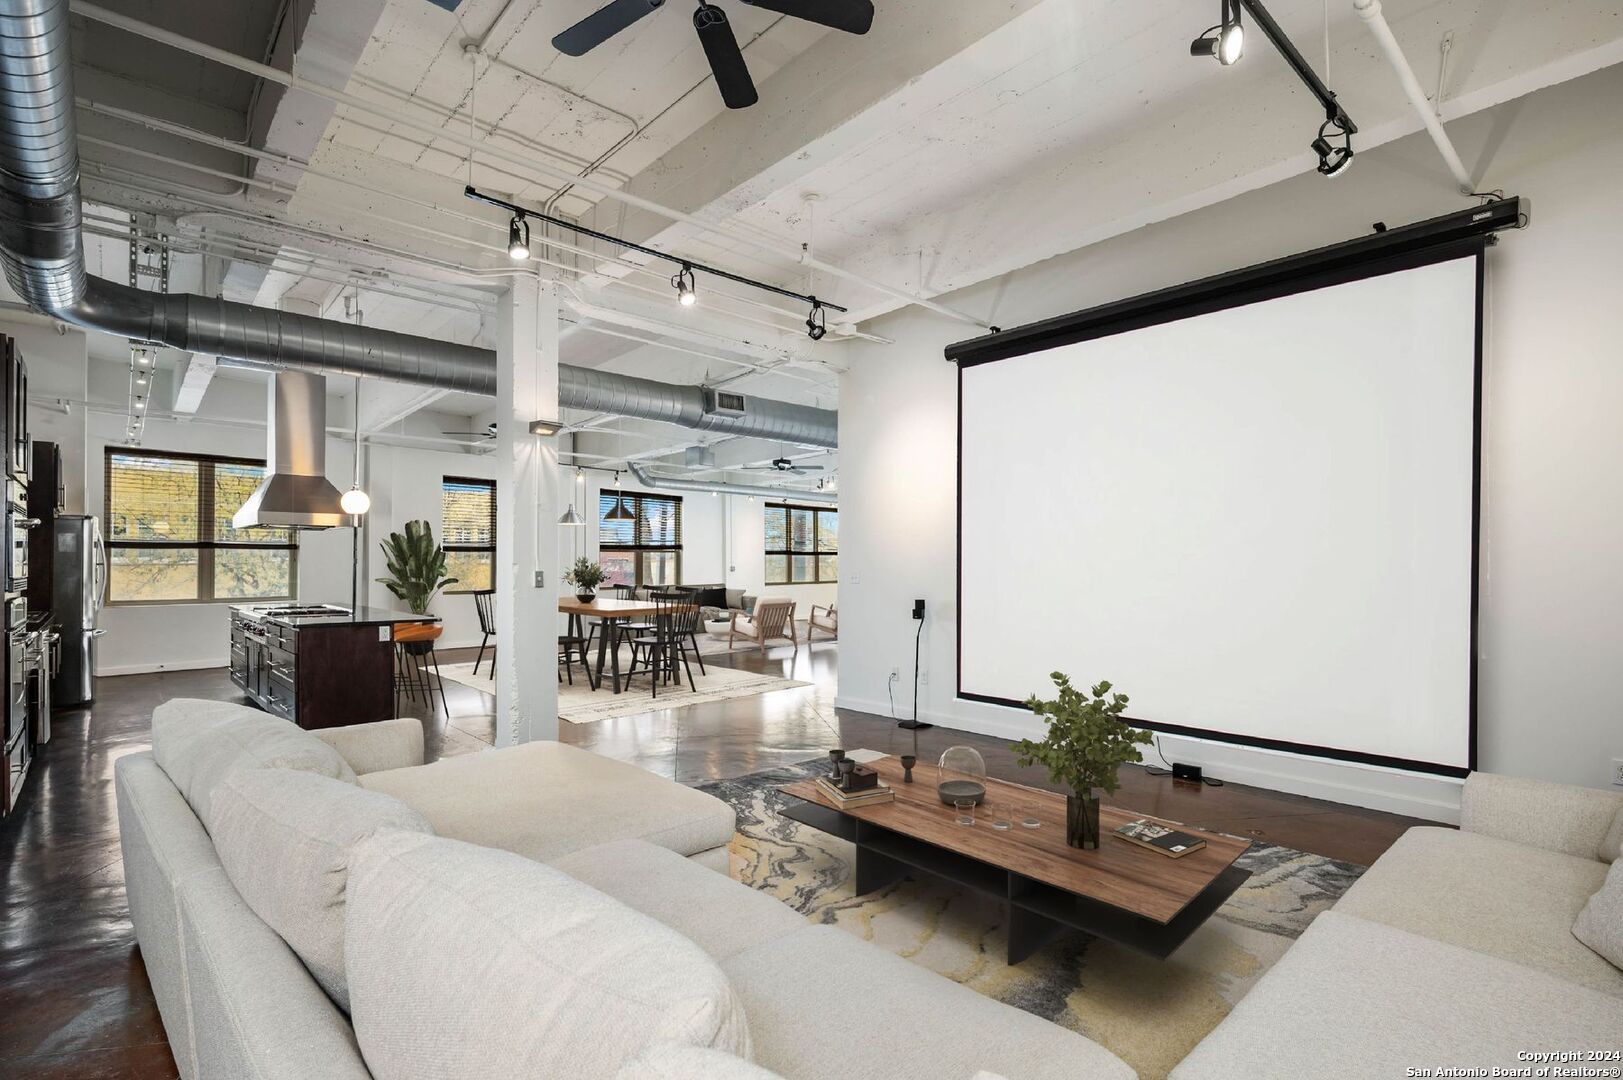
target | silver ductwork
[
  {"x": 44, "y": 259},
  {"x": 670, "y": 483},
  {"x": 295, "y": 492}
]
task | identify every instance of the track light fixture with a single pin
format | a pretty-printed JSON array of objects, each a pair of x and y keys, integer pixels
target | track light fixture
[
  {"x": 1333, "y": 159},
  {"x": 1226, "y": 41},
  {"x": 683, "y": 284},
  {"x": 815, "y": 328},
  {"x": 518, "y": 238}
]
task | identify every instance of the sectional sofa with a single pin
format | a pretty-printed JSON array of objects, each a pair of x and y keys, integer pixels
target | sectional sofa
[{"x": 325, "y": 905}]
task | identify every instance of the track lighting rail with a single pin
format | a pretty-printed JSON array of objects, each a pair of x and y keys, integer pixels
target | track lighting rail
[
  {"x": 683, "y": 264},
  {"x": 1298, "y": 63}
]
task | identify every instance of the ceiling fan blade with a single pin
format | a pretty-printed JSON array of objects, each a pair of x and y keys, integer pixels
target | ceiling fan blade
[
  {"x": 726, "y": 59},
  {"x": 852, "y": 16},
  {"x": 603, "y": 24}
]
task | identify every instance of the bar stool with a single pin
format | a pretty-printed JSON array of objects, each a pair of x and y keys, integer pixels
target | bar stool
[{"x": 414, "y": 654}]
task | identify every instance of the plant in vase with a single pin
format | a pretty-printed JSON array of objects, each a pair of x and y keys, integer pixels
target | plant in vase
[
  {"x": 585, "y": 575},
  {"x": 1085, "y": 745},
  {"x": 416, "y": 566}
]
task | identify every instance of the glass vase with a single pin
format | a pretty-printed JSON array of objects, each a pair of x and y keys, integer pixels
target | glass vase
[{"x": 1082, "y": 819}]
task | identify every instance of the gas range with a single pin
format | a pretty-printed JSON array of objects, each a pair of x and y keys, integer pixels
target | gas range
[{"x": 293, "y": 611}]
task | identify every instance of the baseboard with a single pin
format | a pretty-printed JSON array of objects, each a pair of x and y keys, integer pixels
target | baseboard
[
  {"x": 1432, "y": 798},
  {"x": 107, "y": 670}
]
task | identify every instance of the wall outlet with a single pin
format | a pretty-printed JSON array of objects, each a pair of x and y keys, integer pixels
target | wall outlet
[
  {"x": 895, "y": 674},
  {"x": 540, "y": 579},
  {"x": 1617, "y": 772}
]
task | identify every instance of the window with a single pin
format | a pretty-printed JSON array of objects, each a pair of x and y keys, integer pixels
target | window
[
  {"x": 802, "y": 545},
  {"x": 468, "y": 532},
  {"x": 644, "y": 547},
  {"x": 169, "y": 534}
]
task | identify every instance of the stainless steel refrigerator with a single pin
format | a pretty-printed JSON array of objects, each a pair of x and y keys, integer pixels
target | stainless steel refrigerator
[{"x": 79, "y": 588}]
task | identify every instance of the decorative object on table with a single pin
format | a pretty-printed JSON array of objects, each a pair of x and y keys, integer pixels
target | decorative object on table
[
  {"x": 1160, "y": 838},
  {"x": 1086, "y": 744},
  {"x": 858, "y": 777},
  {"x": 965, "y": 810},
  {"x": 1030, "y": 823},
  {"x": 1001, "y": 825},
  {"x": 963, "y": 775},
  {"x": 842, "y": 773},
  {"x": 837, "y": 795},
  {"x": 416, "y": 566},
  {"x": 908, "y": 761},
  {"x": 835, "y": 757},
  {"x": 585, "y": 575}
]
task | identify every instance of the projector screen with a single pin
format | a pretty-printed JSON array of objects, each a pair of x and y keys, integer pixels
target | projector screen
[{"x": 1258, "y": 520}]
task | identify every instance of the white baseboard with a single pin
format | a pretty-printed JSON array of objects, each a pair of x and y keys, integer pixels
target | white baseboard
[
  {"x": 1421, "y": 795},
  {"x": 105, "y": 670}
]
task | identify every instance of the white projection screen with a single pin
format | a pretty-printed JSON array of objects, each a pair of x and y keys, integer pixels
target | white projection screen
[{"x": 1258, "y": 520}]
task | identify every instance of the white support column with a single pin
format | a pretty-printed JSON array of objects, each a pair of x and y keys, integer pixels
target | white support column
[{"x": 526, "y": 512}]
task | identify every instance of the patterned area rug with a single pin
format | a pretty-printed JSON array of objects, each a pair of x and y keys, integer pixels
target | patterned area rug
[
  {"x": 1148, "y": 1012},
  {"x": 580, "y": 704}
]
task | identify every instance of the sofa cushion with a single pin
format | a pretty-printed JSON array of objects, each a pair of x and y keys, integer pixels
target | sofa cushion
[
  {"x": 1356, "y": 998},
  {"x": 1611, "y": 847},
  {"x": 1600, "y": 923},
  {"x": 1493, "y": 896},
  {"x": 286, "y": 839},
  {"x": 735, "y": 599},
  {"x": 671, "y": 1061},
  {"x": 711, "y": 910},
  {"x": 469, "y": 962},
  {"x": 545, "y": 799},
  {"x": 1558, "y": 817},
  {"x": 198, "y": 743},
  {"x": 907, "y": 1023}
]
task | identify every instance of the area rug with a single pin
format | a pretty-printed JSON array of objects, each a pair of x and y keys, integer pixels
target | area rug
[
  {"x": 1150, "y": 1013},
  {"x": 580, "y": 704}
]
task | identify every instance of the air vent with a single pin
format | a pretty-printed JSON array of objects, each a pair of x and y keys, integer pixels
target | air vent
[{"x": 723, "y": 403}]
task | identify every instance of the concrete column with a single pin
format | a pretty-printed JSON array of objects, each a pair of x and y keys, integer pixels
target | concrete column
[{"x": 526, "y": 514}]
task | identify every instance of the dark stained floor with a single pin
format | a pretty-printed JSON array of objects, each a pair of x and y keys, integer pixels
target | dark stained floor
[{"x": 74, "y": 1000}]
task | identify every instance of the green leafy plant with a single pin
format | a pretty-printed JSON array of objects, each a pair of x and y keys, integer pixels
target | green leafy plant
[
  {"x": 1086, "y": 741},
  {"x": 586, "y": 575},
  {"x": 416, "y": 566}
]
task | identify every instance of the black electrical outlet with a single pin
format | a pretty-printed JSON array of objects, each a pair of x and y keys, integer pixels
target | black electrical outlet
[
  {"x": 918, "y": 609},
  {"x": 1190, "y": 773}
]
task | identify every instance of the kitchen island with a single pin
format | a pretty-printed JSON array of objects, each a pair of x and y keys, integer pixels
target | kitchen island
[{"x": 318, "y": 665}]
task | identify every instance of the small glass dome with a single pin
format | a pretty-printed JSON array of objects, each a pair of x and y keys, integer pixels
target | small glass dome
[{"x": 963, "y": 775}]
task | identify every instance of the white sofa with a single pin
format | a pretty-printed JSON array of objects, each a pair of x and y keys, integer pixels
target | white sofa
[
  {"x": 638, "y": 852},
  {"x": 1454, "y": 949}
]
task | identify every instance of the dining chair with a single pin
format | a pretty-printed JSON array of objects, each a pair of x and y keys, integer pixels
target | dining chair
[
  {"x": 572, "y": 648},
  {"x": 484, "y": 601},
  {"x": 660, "y": 653},
  {"x": 774, "y": 620}
]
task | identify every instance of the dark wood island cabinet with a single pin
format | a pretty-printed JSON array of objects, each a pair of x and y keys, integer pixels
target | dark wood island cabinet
[{"x": 318, "y": 665}]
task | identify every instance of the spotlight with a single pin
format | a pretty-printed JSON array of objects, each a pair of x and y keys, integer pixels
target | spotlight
[
  {"x": 815, "y": 328},
  {"x": 1226, "y": 41},
  {"x": 518, "y": 238},
  {"x": 683, "y": 284},
  {"x": 1333, "y": 160},
  {"x": 140, "y": 380},
  {"x": 545, "y": 428}
]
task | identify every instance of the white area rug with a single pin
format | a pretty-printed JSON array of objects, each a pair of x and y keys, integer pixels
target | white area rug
[{"x": 580, "y": 704}]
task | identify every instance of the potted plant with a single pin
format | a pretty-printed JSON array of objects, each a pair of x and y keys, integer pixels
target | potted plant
[
  {"x": 416, "y": 566},
  {"x": 1085, "y": 745},
  {"x": 586, "y": 576}
]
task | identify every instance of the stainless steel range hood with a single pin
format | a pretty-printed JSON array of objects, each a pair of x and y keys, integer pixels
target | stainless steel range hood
[{"x": 296, "y": 492}]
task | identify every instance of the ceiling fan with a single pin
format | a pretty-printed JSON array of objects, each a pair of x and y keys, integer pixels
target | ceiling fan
[
  {"x": 488, "y": 433},
  {"x": 715, "y": 34},
  {"x": 785, "y": 465}
]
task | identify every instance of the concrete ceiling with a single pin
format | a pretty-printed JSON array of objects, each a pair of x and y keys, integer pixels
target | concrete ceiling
[{"x": 952, "y": 144}]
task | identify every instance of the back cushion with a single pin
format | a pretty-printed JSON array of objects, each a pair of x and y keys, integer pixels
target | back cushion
[
  {"x": 1611, "y": 848},
  {"x": 671, "y": 1061},
  {"x": 286, "y": 839},
  {"x": 199, "y": 743},
  {"x": 467, "y": 961},
  {"x": 735, "y": 598}
]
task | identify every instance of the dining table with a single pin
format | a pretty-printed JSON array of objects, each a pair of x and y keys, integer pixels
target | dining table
[{"x": 612, "y": 614}]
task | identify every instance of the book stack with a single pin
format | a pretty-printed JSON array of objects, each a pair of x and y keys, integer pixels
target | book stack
[
  {"x": 847, "y": 800},
  {"x": 1146, "y": 833}
]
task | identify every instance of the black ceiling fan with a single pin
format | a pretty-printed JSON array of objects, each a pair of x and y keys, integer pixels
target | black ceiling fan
[
  {"x": 488, "y": 433},
  {"x": 785, "y": 465},
  {"x": 715, "y": 34}
]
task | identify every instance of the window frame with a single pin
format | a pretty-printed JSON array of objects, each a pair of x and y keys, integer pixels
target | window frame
[
  {"x": 815, "y": 551},
  {"x": 490, "y": 548},
  {"x": 205, "y": 514},
  {"x": 634, "y": 549}
]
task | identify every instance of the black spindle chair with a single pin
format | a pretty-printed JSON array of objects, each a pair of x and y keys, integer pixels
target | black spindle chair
[{"x": 484, "y": 601}]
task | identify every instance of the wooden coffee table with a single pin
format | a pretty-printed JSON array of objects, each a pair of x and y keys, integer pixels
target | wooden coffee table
[{"x": 1121, "y": 892}]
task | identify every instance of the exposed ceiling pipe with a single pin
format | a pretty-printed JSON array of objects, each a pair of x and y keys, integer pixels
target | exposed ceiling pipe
[
  {"x": 43, "y": 251},
  {"x": 669, "y": 483},
  {"x": 1370, "y": 12},
  {"x": 446, "y": 133}
]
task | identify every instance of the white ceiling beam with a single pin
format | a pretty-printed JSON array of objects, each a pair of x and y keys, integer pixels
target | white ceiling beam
[{"x": 193, "y": 374}]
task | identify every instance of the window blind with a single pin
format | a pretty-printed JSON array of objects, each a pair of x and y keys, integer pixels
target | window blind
[
  {"x": 468, "y": 513},
  {"x": 655, "y": 523}
]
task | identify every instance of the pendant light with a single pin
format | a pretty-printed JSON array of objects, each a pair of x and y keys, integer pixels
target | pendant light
[
  {"x": 356, "y": 502},
  {"x": 620, "y": 512},
  {"x": 571, "y": 518}
]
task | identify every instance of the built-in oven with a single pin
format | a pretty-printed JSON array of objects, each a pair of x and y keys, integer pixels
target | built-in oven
[{"x": 17, "y": 525}]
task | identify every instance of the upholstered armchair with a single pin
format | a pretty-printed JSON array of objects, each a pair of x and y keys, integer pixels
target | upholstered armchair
[
  {"x": 774, "y": 620},
  {"x": 826, "y": 619}
]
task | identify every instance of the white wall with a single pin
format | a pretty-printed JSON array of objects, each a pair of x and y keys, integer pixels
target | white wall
[{"x": 1550, "y": 695}]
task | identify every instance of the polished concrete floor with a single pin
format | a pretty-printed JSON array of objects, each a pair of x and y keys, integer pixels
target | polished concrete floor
[{"x": 74, "y": 1001}]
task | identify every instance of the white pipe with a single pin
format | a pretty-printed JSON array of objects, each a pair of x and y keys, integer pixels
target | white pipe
[
  {"x": 666, "y": 483},
  {"x": 448, "y": 134},
  {"x": 1370, "y": 12}
]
